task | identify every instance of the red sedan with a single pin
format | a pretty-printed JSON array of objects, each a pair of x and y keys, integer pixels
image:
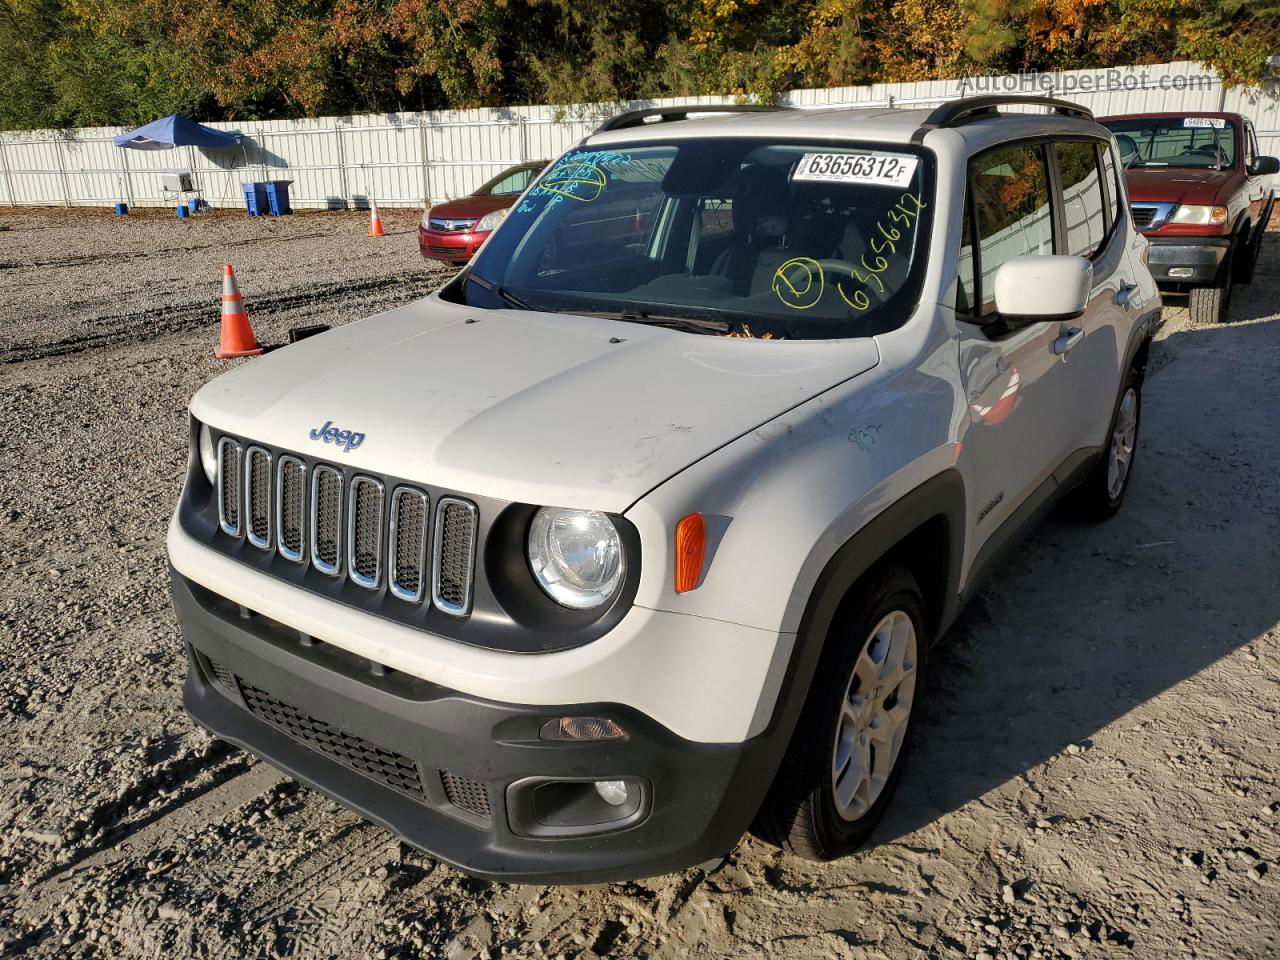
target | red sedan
[{"x": 455, "y": 229}]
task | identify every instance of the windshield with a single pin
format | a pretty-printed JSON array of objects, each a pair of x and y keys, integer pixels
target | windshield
[
  {"x": 510, "y": 183},
  {"x": 748, "y": 237},
  {"x": 1207, "y": 142}
]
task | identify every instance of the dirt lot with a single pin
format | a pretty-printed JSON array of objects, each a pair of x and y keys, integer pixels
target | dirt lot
[{"x": 1096, "y": 775}]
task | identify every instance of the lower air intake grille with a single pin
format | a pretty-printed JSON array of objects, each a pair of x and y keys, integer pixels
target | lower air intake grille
[
  {"x": 360, "y": 755},
  {"x": 466, "y": 794},
  {"x": 291, "y": 498},
  {"x": 225, "y": 676},
  {"x": 326, "y": 519},
  {"x": 455, "y": 545}
]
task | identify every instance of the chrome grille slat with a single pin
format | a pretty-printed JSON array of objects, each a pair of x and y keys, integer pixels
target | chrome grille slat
[
  {"x": 453, "y": 555},
  {"x": 229, "y": 455},
  {"x": 326, "y": 519},
  {"x": 257, "y": 491},
  {"x": 364, "y": 532},
  {"x": 291, "y": 508},
  {"x": 408, "y": 543}
]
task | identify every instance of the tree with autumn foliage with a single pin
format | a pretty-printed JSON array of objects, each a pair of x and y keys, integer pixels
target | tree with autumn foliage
[{"x": 81, "y": 62}]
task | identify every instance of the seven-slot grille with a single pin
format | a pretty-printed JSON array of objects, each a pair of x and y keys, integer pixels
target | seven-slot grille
[
  {"x": 339, "y": 522},
  {"x": 1142, "y": 216}
]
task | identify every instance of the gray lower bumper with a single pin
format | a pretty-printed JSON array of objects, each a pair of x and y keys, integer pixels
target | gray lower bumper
[{"x": 1186, "y": 262}]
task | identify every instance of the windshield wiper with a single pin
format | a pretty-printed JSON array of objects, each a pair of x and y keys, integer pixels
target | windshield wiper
[
  {"x": 690, "y": 324},
  {"x": 510, "y": 299}
]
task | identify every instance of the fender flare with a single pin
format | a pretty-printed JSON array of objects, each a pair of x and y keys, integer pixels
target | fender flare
[{"x": 940, "y": 497}]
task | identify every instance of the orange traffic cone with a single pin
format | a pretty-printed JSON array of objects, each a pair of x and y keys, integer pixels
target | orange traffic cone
[
  {"x": 375, "y": 221},
  {"x": 237, "y": 339}
]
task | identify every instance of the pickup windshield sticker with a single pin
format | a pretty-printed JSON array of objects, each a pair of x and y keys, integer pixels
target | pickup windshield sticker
[
  {"x": 1215, "y": 122},
  {"x": 876, "y": 168}
]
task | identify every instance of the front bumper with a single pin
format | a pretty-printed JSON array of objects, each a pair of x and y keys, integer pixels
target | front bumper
[
  {"x": 449, "y": 246},
  {"x": 1189, "y": 260},
  {"x": 454, "y": 774}
]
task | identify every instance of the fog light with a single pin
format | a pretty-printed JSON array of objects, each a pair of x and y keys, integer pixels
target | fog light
[
  {"x": 581, "y": 728},
  {"x": 1182, "y": 272},
  {"x": 612, "y": 792}
]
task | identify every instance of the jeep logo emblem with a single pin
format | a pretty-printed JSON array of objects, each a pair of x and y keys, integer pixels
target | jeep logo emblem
[{"x": 348, "y": 440}]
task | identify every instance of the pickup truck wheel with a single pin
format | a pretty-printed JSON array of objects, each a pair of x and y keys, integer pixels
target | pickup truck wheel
[
  {"x": 1099, "y": 497},
  {"x": 847, "y": 753},
  {"x": 1210, "y": 304}
]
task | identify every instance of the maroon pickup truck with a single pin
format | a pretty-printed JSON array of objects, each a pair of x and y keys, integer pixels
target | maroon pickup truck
[{"x": 1201, "y": 193}]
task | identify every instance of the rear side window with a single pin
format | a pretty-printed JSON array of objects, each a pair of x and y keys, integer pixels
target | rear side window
[
  {"x": 1082, "y": 198},
  {"x": 1009, "y": 215}
]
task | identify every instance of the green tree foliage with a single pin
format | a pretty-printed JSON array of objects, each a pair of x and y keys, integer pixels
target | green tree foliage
[{"x": 83, "y": 62}]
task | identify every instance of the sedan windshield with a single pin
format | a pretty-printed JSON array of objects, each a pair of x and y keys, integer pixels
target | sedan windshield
[
  {"x": 1205, "y": 142},
  {"x": 731, "y": 236}
]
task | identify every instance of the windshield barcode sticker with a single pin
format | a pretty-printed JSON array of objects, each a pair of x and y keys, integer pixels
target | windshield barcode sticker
[
  {"x": 877, "y": 168},
  {"x": 1217, "y": 122}
]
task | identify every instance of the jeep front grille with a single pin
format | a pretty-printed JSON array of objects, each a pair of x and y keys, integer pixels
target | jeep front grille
[
  {"x": 408, "y": 543},
  {"x": 453, "y": 555},
  {"x": 344, "y": 523},
  {"x": 229, "y": 486},
  {"x": 326, "y": 520},
  {"x": 291, "y": 508},
  {"x": 364, "y": 532},
  {"x": 257, "y": 485}
]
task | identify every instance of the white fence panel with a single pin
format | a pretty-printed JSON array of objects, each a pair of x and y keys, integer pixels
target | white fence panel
[{"x": 406, "y": 159}]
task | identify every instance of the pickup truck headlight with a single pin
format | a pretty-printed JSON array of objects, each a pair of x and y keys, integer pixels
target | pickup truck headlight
[
  {"x": 1199, "y": 216},
  {"x": 208, "y": 455},
  {"x": 490, "y": 221},
  {"x": 576, "y": 556}
]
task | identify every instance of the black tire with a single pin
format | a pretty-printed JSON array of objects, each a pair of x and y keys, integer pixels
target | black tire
[
  {"x": 1096, "y": 500},
  {"x": 1211, "y": 304},
  {"x": 800, "y": 813}
]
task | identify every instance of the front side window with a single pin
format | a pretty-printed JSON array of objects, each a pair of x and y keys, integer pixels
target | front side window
[
  {"x": 746, "y": 236},
  {"x": 1082, "y": 199},
  {"x": 1112, "y": 182},
  {"x": 1009, "y": 216},
  {"x": 1207, "y": 142}
]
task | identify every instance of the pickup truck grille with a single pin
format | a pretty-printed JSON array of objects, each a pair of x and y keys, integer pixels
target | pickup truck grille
[{"x": 344, "y": 523}]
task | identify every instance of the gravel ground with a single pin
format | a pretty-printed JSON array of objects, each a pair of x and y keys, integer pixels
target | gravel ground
[{"x": 1096, "y": 772}]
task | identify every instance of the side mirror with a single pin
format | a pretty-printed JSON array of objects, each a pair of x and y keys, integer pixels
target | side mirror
[
  {"x": 1264, "y": 166},
  {"x": 1031, "y": 288}
]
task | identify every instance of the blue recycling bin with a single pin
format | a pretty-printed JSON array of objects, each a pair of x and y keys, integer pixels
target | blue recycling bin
[
  {"x": 255, "y": 198},
  {"x": 278, "y": 197}
]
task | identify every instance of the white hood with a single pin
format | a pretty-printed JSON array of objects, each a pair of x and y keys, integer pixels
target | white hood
[{"x": 523, "y": 406}]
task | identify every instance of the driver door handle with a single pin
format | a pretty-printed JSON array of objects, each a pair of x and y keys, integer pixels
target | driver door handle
[
  {"x": 1125, "y": 294},
  {"x": 1066, "y": 340}
]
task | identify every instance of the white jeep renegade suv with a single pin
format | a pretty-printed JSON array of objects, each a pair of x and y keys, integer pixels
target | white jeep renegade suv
[{"x": 639, "y": 530}]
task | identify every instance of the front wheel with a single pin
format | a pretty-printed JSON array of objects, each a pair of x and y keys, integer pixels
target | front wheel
[
  {"x": 847, "y": 752},
  {"x": 1211, "y": 304}
]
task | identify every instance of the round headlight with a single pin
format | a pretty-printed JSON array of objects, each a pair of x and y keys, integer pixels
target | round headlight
[
  {"x": 208, "y": 455},
  {"x": 576, "y": 556}
]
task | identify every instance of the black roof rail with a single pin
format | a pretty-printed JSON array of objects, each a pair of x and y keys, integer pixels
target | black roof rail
[
  {"x": 955, "y": 112},
  {"x": 634, "y": 118}
]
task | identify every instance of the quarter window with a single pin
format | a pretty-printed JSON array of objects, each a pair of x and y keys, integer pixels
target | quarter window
[
  {"x": 1009, "y": 215},
  {"x": 1082, "y": 199}
]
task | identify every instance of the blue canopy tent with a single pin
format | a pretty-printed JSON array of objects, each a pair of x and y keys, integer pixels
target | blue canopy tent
[
  {"x": 171, "y": 132},
  {"x": 176, "y": 131}
]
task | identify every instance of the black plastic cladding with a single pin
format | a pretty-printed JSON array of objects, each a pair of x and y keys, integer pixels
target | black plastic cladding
[{"x": 509, "y": 611}]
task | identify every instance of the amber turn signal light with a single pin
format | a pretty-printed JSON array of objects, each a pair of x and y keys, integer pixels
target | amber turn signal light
[{"x": 691, "y": 543}]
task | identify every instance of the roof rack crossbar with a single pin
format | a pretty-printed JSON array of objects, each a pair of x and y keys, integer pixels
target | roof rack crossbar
[
  {"x": 634, "y": 118},
  {"x": 955, "y": 112}
]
